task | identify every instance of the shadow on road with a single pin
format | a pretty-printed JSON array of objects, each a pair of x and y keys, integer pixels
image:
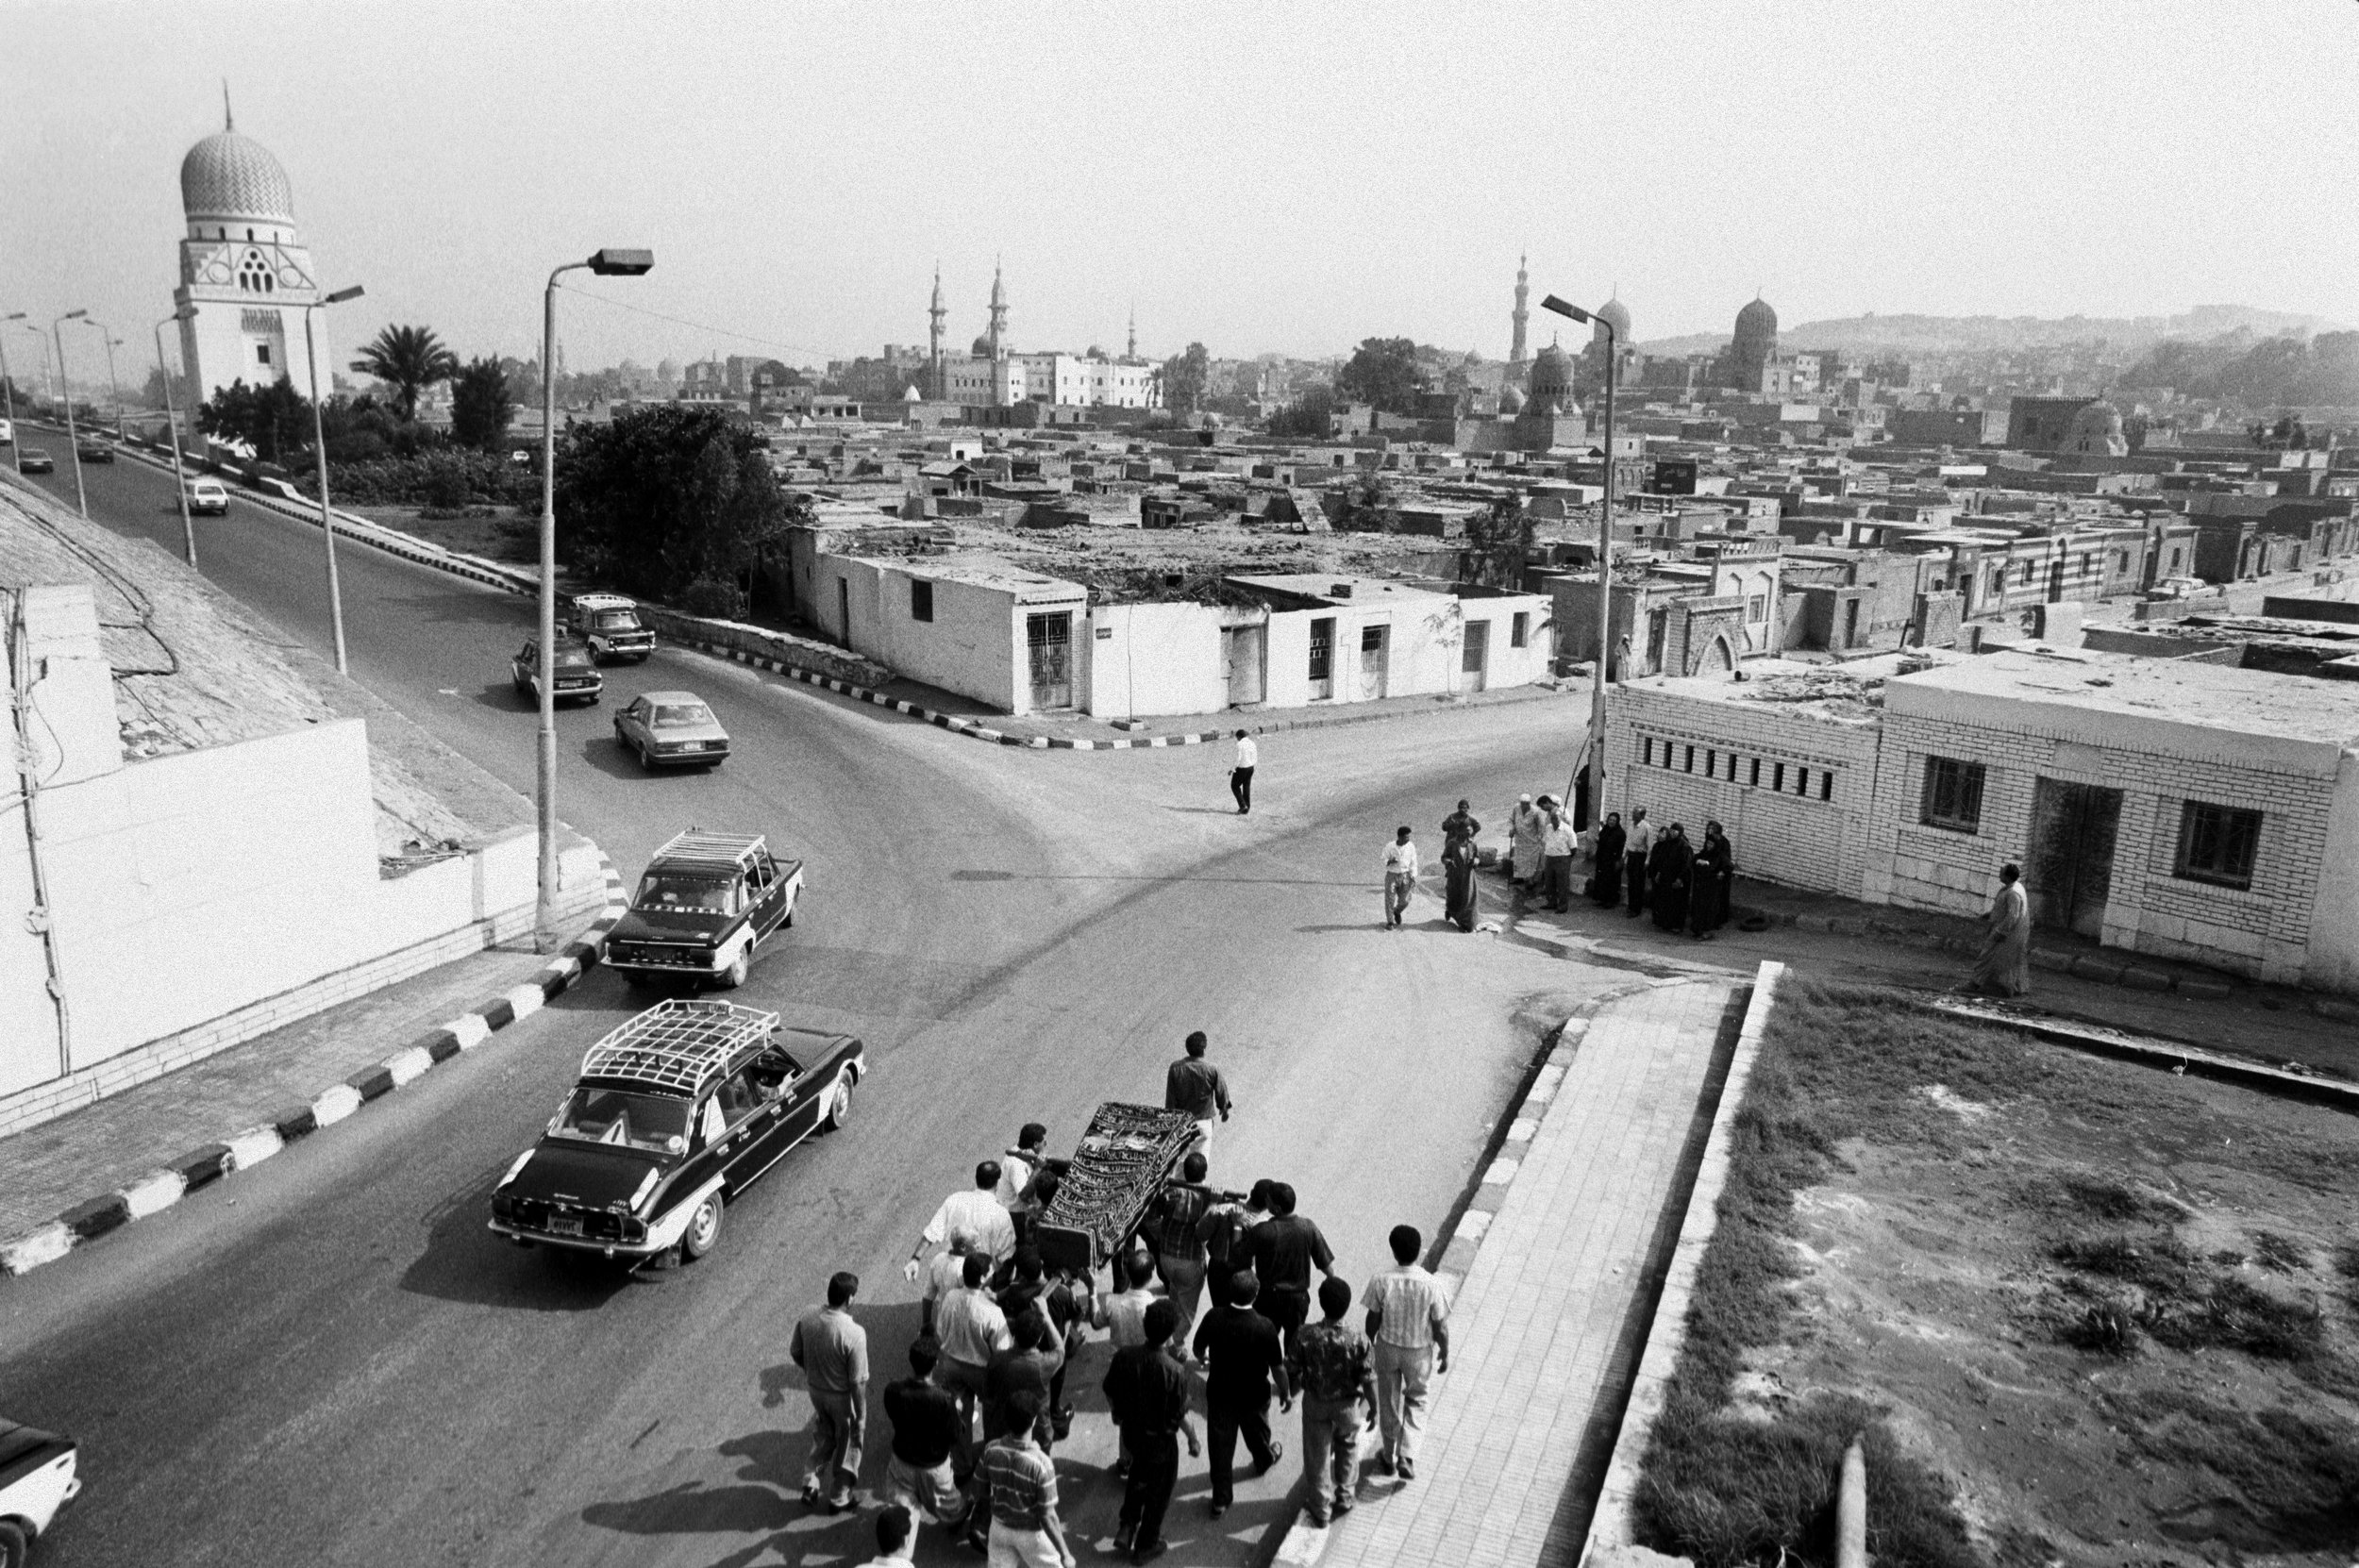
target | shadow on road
[
  {"x": 617, "y": 760},
  {"x": 463, "y": 1262}
]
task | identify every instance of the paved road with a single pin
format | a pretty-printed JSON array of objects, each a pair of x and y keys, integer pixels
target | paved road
[{"x": 330, "y": 1361}]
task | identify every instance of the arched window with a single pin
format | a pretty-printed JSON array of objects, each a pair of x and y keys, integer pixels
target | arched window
[{"x": 254, "y": 275}]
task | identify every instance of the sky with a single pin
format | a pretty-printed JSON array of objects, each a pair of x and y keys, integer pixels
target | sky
[{"x": 1259, "y": 177}]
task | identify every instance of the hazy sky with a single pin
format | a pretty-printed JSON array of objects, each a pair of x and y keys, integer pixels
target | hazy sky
[{"x": 1259, "y": 176}]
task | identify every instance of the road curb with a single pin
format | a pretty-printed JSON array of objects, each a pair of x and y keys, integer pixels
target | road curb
[
  {"x": 1666, "y": 1330},
  {"x": 210, "y": 1162}
]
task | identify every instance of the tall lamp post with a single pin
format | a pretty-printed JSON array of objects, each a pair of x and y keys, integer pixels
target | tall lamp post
[
  {"x": 171, "y": 420},
  {"x": 319, "y": 445},
  {"x": 72, "y": 438},
  {"x": 114, "y": 388},
  {"x": 42, "y": 338},
  {"x": 1605, "y": 558},
  {"x": 605, "y": 263},
  {"x": 7, "y": 392}
]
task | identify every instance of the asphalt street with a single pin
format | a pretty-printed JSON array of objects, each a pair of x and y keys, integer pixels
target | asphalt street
[{"x": 330, "y": 1360}]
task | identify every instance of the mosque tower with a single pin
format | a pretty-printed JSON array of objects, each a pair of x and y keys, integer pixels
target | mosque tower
[
  {"x": 245, "y": 274},
  {"x": 1132, "y": 351},
  {"x": 997, "y": 337},
  {"x": 1522, "y": 316},
  {"x": 939, "y": 313}
]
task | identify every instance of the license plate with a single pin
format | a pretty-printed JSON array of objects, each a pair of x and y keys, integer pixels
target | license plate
[
  {"x": 692, "y": 745},
  {"x": 565, "y": 1225}
]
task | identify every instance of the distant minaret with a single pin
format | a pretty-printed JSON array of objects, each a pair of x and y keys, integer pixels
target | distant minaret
[
  {"x": 1134, "y": 352},
  {"x": 1522, "y": 316},
  {"x": 998, "y": 334},
  {"x": 940, "y": 314}
]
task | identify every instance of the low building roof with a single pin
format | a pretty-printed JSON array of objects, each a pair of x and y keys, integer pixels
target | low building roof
[
  {"x": 989, "y": 572},
  {"x": 1337, "y": 587}
]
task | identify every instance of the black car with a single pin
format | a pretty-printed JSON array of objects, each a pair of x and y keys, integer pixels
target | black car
[
  {"x": 676, "y": 1113},
  {"x": 93, "y": 449},
  {"x": 578, "y": 678},
  {"x": 704, "y": 903}
]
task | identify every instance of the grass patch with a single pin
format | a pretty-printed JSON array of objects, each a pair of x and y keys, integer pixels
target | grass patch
[
  {"x": 2296, "y": 1479},
  {"x": 1726, "y": 1487},
  {"x": 2278, "y": 1253},
  {"x": 2347, "y": 1265}
]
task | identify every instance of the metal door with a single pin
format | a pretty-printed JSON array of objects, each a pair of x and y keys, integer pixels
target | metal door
[
  {"x": 1049, "y": 639},
  {"x": 1476, "y": 661},
  {"x": 1374, "y": 660},
  {"x": 1322, "y": 657},
  {"x": 1242, "y": 648},
  {"x": 844, "y": 609},
  {"x": 2070, "y": 872}
]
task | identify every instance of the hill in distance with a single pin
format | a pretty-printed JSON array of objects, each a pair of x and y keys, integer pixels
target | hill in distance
[{"x": 1914, "y": 334}]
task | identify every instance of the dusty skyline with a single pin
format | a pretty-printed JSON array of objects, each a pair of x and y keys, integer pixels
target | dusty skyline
[{"x": 1255, "y": 177}]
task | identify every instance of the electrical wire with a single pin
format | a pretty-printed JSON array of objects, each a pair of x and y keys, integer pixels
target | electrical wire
[{"x": 698, "y": 326}]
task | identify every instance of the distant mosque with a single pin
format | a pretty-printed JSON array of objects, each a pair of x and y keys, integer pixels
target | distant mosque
[
  {"x": 246, "y": 278},
  {"x": 992, "y": 374}
]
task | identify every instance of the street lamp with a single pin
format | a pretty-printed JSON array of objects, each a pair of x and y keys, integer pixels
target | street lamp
[
  {"x": 114, "y": 388},
  {"x": 42, "y": 339},
  {"x": 319, "y": 445},
  {"x": 7, "y": 392},
  {"x": 1605, "y": 558},
  {"x": 605, "y": 263},
  {"x": 172, "y": 420},
  {"x": 73, "y": 438}
]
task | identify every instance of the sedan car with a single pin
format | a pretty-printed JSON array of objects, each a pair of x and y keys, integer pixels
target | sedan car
[
  {"x": 675, "y": 1114},
  {"x": 207, "y": 497},
  {"x": 36, "y": 1481},
  {"x": 578, "y": 678},
  {"x": 671, "y": 729},
  {"x": 35, "y": 459},
  {"x": 92, "y": 449}
]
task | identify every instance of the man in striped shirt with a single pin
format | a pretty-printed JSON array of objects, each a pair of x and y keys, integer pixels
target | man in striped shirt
[{"x": 1020, "y": 1482}]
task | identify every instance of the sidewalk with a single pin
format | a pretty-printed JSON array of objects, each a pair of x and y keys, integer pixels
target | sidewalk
[
  {"x": 118, "y": 1140},
  {"x": 1520, "y": 1429}
]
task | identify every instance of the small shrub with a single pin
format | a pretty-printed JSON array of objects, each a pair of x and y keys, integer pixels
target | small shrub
[
  {"x": 714, "y": 600},
  {"x": 2107, "y": 1327}
]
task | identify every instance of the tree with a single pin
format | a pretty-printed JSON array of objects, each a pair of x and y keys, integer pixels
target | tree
[
  {"x": 481, "y": 407},
  {"x": 1384, "y": 371},
  {"x": 1498, "y": 541},
  {"x": 1183, "y": 379},
  {"x": 667, "y": 498},
  {"x": 1309, "y": 417},
  {"x": 408, "y": 360},
  {"x": 275, "y": 421},
  {"x": 1370, "y": 506}
]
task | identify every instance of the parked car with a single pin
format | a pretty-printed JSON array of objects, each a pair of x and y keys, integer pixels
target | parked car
[
  {"x": 610, "y": 624},
  {"x": 704, "y": 903},
  {"x": 207, "y": 497},
  {"x": 94, "y": 449},
  {"x": 675, "y": 1114},
  {"x": 37, "y": 1481},
  {"x": 670, "y": 729},
  {"x": 578, "y": 678},
  {"x": 34, "y": 459}
]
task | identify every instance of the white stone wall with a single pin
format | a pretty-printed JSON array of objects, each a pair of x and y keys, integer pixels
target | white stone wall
[{"x": 1149, "y": 659}]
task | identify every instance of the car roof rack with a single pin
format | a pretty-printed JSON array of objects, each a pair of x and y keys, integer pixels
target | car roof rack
[
  {"x": 679, "y": 1045},
  {"x": 734, "y": 850}
]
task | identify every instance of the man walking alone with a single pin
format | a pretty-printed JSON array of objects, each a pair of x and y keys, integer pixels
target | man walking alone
[
  {"x": 1195, "y": 1087},
  {"x": 1400, "y": 875},
  {"x": 833, "y": 1350},
  {"x": 1241, "y": 775},
  {"x": 1409, "y": 1320}
]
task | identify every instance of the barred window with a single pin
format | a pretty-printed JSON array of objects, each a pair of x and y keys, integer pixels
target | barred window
[
  {"x": 1953, "y": 794},
  {"x": 2217, "y": 844}
]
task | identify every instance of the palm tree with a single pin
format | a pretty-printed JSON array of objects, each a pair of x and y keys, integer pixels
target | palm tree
[{"x": 408, "y": 360}]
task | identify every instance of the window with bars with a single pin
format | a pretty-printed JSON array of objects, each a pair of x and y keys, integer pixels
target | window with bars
[
  {"x": 2217, "y": 844},
  {"x": 1953, "y": 794}
]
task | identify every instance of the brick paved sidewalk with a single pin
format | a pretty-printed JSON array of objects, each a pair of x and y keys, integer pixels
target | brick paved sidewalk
[
  {"x": 45, "y": 1169},
  {"x": 1540, "y": 1337}
]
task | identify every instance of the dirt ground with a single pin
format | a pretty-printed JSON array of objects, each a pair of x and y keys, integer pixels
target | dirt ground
[
  {"x": 2116, "y": 1310},
  {"x": 502, "y": 536}
]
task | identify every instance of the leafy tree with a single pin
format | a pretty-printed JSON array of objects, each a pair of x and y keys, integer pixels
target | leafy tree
[
  {"x": 275, "y": 420},
  {"x": 1384, "y": 371},
  {"x": 480, "y": 407},
  {"x": 408, "y": 360},
  {"x": 1370, "y": 506},
  {"x": 1309, "y": 417},
  {"x": 1498, "y": 542},
  {"x": 2134, "y": 429},
  {"x": 664, "y": 498},
  {"x": 1185, "y": 377}
]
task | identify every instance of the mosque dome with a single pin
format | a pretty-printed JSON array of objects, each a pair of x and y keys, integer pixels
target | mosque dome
[
  {"x": 2097, "y": 428},
  {"x": 1551, "y": 381},
  {"x": 1510, "y": 400},
  {"x": 231, "y": 176},
  {"x": 1757, "y": 319},
  {"x": 1615, "y": 312}
]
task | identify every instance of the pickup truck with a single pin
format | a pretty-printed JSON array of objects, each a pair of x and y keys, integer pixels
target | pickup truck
[
  {"x": 705, "y": 902},
  {"x": 610, "y": 624}
]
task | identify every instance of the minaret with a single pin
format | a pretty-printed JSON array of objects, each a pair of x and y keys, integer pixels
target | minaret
[
  {"x": 1132, "y": 351},
  {"x": 1522, "y": 316},
  {"x": 998, "y": 334},
  {"x": 940, "y": 314}
]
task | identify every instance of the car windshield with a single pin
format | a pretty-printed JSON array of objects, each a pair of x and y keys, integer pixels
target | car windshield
[
  {"x": 616, "y": 620},
  {"x": 620, "y": 1116},
  {"x": 661, "y": 890},
  {"x": 680, "y": 715}
]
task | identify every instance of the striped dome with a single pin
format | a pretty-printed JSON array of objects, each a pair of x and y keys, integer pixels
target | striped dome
[{"x": 232, "y": 177}]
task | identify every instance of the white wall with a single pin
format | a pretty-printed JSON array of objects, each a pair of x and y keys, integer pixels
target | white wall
[{"x": 1147, "y": 659}]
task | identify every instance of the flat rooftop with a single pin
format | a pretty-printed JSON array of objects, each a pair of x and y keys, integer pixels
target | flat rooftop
[{"x": 2210, "y": 696}]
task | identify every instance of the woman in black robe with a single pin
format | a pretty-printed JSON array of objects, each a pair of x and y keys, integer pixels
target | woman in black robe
[
  {"x": 1605, "y": 883},
  {"x": 1708, "y": 890},
  {"x": 1669, "y": 871},
  {"x": 1458, "y": 870}
]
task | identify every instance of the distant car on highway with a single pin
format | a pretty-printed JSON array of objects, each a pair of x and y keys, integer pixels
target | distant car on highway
[
  {"x": 705, "y": 902},
  {"x": 610, "y": 624},
  {"x": 207, "y": 497},
  {"x": 675, "y": 1114},
  {"x": 578, "y": 678},
  {"x": 94, "y": 449},
  {"x": 34, "y": 459},
  {"x": 671, "y": 729},
  {"x": 37, "y": 1481}
]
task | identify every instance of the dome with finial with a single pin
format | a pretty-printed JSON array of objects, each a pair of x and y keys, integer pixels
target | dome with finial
[
  {"x": 1757, "y": 319},
  {"x": 1615, "y": 312},
  {"x": 1551, "y": 383},
  {"x": 229, "y": 176}
]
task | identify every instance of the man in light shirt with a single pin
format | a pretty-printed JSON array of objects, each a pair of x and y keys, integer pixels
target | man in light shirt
[
  {"x": 1241, "y": 775},
  {"x": 833, "y": 1350},
  {"x": 944, "y": 1272},
  {"x": 1635, "y": 848},
  {"x": 971, "y": 1329},
  {"x": 1400, "y": 874},
  {"x": 1409, "y": 1320},
  {"x": 977, "y": 1212}
]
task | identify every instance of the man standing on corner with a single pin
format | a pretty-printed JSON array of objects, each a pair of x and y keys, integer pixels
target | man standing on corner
[
  {"x": 1241, "y": 775},
  {"x": 1636, "y": 847},
  {"x": 833, "y": 1350},
  {"x": 1195, "y": 1087},
  {"x": 1409, "y": 1320}
]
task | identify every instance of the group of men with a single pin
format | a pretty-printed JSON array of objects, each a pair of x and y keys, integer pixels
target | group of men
[{"x": 999, "y": 1332}]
